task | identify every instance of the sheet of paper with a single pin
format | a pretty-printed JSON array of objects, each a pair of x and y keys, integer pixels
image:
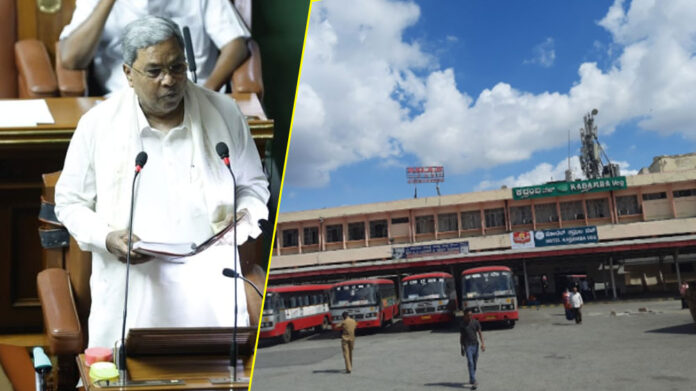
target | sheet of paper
[{"x": 24, "y": 113}]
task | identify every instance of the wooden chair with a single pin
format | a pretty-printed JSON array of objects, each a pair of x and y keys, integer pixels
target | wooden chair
[{"x": 25, "y": 67}]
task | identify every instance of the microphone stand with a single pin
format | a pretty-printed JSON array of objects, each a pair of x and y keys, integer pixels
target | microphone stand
[
  {"x": 223, "y": 152},
  {"x": 121, "y": 362},
  {"x": 227, "y": 272}
]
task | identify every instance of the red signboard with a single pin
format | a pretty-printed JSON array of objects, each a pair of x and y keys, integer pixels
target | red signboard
[{"x": 432, "y": 174}]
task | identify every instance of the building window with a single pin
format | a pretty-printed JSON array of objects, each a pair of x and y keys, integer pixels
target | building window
[
  {"x": 627, "y": 205},
  {"x": 520, "y": 215},
  {"x": 654, "y": 196},
  {"x": 546, "y": 213},
  {"x": 425, "y": 224},
  {"x": 290, "y": 237},
  {"x": 447, "y": 222},
  {"x": 471, "y": 220},
  {"x": 334, "y": 233},
  {"x": 356, "y": 231},
  {"x": 597, "y": 209},
  {"x": 400, "y": 220},
  {"x": 572, "y": 211},
  {"x": 494, "y": 217},
  {"x": 311, "y": 236},
  {"x": 378, "y": 229},
  {"x": 684, "y": 193}
]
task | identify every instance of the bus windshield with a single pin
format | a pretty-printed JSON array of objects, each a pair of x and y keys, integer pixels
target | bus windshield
[
  {"x": 424, "y": 288},
  {"x": 351, "y": 295},
  {"x": 487, "y": 284}
]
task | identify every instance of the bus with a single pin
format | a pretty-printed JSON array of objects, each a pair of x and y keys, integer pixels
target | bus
[
  {"x": 292, "y": 308},
  {"x": 428, "y": 298},
  {"x": 371, "y": 302},
  {"x": 490, "y": 294}
]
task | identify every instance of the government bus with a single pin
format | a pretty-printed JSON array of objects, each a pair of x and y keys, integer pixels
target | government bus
[
  {"x": 292, "y": 308},
  {"x": 371, "y": 302},
  {"x": 428, "y": 298},
  {"x": 489, "y": 292}
]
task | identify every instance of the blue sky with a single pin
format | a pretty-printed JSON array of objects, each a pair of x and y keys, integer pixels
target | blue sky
[{"x": 488, "y": 89}]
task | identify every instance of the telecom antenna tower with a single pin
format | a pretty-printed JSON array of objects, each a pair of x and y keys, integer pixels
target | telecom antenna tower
[{"x": 591, "y": 153}]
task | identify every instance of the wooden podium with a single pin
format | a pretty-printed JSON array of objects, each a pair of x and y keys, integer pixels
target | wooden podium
[{"x": 197, "y": 359}]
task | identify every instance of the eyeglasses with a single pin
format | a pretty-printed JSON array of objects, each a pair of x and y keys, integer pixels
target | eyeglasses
[{"x": 156, "y": 73}]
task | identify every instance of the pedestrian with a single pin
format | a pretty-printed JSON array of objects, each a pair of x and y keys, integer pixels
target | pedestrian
[
  {"x": 566, "y": 304},
  {"x": 468, "y": 329},
  {"x": 576, "y": 304},
  {"x": 347, "y": 327},
  {"x": 682, "y": 291}
]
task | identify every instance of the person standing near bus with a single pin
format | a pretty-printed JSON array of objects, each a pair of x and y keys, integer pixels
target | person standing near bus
[
  {"x": 576, "y": 303},
  {"x": 347, "y": 327},
  {"x": 468, "y": 330}
]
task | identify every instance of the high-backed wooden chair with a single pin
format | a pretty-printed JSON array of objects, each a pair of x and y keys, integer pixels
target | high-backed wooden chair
[
  {"x": 25, "y": 67},
  {"x": 64, "y": 289}
]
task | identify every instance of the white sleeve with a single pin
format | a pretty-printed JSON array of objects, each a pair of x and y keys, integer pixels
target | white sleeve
[
  {"x": 76, "y": 192},
  {"x": 222, "y": 22},
  {"x": 83, "y": 9},
  {"x": 252, "y": 186}
]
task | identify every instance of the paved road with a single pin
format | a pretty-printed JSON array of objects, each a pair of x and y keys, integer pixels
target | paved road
[{"x": 623, "y": 350}]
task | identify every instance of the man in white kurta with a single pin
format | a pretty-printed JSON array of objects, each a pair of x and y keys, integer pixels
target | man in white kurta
[{"x": 184, "y": 194}]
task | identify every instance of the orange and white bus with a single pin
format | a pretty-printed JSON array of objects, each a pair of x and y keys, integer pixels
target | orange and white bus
[
  {"x": 292, "y": 308},
  {"x": 489, "y": 292},
  {"x": 428, "y": 298},
  {"x": 371, "y": 302}
]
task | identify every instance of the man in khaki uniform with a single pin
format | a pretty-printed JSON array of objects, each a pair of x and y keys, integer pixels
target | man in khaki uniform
[{"x": 347, "y": 328}]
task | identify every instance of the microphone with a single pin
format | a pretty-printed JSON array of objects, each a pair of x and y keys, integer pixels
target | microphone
[
  {"x": 189, "y": 53},
  {"x": 224, "y": 153},
  {"x": 227, "y": 272},
  {"x": 140, "y": 161}
]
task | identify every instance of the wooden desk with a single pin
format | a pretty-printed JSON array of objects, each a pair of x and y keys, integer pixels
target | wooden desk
[
  {"x": 196, "y": 372},
  {"x": 25, "y": 154},
  {"x": 68, "y": 111}
]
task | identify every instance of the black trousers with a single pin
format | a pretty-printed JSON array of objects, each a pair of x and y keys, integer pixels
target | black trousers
[{"x": 578, "y": 315}]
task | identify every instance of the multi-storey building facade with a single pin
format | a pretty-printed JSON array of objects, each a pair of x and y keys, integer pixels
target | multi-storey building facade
[{"x": 645, "y": 237}]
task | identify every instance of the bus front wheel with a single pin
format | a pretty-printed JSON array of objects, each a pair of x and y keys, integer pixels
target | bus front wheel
[
  {"x": 287, "y": 335},
  {"x": 323, "y": 326}
]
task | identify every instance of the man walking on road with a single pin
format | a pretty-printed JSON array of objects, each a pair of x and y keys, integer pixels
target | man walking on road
[
  {"x": 347, "y": 327},
  {"x": 576, "y": 304},
  {"x": 468, "y": 330}
]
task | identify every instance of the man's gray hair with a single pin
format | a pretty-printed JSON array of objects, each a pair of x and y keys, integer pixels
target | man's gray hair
[{"x": 145, "y": 32}]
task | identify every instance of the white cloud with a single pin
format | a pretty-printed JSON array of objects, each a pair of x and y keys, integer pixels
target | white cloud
[
  {"x": 366, "y": 93},
  {"x": 544, "y": 54}
]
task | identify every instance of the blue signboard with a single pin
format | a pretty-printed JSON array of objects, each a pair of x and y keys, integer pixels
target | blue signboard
[
  {"x": 565, "y": 236},
  {"x": 430, "y": 249}
]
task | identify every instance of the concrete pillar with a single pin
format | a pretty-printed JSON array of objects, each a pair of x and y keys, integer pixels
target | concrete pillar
[
  {"x": 526, "y": 280},
  {"x": 676, "y": 266},
  {"x": 611, "y": 273}
]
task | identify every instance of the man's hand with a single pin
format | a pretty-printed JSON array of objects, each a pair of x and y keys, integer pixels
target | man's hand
[
  {"x": 483, "y": 347},
  {"x": 117, "y": 244},
  {"x": 243, "y": 229}
]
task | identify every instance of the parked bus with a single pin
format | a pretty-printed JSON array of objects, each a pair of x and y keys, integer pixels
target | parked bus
[
  {"x": 490, "y": 294},
  {"x": 293, "y": 308},
  {"x": 428, "y": 298},
  {"x": 372, "y": 303}
]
